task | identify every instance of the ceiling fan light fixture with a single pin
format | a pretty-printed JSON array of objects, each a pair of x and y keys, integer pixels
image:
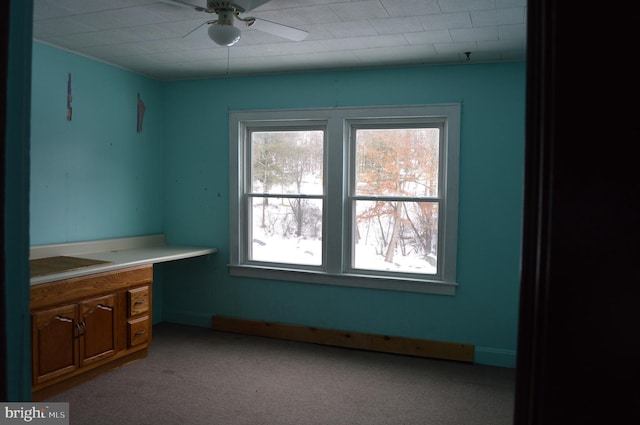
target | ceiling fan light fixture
[{"x": 223, "y": 34}]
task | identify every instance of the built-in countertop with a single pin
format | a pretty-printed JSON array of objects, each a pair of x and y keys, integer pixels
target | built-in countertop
[{"x": 113, "y": 254}]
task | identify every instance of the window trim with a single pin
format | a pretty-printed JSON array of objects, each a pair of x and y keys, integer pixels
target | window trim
[{"x": 338, "y": 126}]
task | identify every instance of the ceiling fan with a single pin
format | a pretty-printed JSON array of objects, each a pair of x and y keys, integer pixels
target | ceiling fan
[{"x": 224, "y": 33}]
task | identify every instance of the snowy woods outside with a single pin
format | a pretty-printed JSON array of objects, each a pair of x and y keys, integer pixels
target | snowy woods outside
[{"x": 395, "y": 220}]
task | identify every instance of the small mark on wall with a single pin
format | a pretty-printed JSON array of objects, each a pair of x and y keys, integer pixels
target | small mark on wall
[
  {"x": 140, "y": 112},
  {"x": 69, "y": 108}
]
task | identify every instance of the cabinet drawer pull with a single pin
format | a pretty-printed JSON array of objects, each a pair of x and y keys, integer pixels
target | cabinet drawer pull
[
  {"x": 140, "y": 332},
  {"x": 138, "y": 302}
]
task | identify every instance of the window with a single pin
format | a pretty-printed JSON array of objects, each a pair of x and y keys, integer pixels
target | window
[{"x": 347, "y": 196}]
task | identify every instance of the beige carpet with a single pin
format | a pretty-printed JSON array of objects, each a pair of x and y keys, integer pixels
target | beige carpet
[{"x": 200, "y": 376}]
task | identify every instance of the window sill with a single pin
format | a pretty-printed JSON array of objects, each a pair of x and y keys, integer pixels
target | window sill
[{"x": 351, "y": 280}]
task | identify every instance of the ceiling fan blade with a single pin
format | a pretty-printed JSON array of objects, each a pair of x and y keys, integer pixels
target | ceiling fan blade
[
  {"x": 200, "y": 31},
  {"x": 280, "y": 30},
  {"x": 184, "y": 4}
]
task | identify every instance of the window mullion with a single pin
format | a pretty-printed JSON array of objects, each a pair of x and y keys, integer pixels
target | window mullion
[{"x": 335, "y": 194}]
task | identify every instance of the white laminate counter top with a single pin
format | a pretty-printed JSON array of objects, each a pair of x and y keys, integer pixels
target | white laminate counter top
[{"x": 119, "y": 253}]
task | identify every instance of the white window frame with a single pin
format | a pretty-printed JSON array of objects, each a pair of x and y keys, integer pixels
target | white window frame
[{"x": 336, "y": 268}]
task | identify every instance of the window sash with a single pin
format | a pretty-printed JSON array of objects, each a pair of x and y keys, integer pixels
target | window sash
[
  {"x": 391, "y": 123},
  {"x": 249, "y": 194},
  {"x": 251, "y": 237}
]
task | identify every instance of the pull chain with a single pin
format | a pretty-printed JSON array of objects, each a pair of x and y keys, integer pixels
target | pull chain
[{"x": 228, "y": 71}]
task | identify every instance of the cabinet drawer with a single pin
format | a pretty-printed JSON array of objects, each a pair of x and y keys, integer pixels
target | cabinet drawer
[
  {"x": 138, "y": 300},
  {"x": 139, "y": 331}
]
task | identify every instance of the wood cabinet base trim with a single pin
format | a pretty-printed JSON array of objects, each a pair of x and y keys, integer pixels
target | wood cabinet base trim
[
  {"x": 357, "y": 340},
  {"x": 45, "y": 392}
]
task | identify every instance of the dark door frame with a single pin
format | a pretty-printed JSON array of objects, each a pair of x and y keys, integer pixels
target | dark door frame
[
  {"x": 4, "y": 54},
  {"x": 578, "y": 337}
]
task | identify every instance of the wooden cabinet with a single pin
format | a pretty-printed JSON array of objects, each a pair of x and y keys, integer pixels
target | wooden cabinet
[
  {"x": 86, "y": 325},
  {"x": 69, "y": 337}
]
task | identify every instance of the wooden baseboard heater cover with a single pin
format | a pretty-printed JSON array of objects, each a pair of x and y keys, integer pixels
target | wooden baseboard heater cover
[{"x": 356, "y": 340}]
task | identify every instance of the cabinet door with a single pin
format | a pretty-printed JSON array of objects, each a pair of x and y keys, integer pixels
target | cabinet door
[
  {"x": 55, "y": 342},
  {"x": 98, "y": 329}
]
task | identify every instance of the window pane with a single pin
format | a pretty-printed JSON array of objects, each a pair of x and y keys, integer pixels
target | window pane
[
  {"x": 288, "y": 162},
  {"x": 397, "y": 162},
  {"x": 286, "y": 230},
  {"x": 396, "y": 236}
]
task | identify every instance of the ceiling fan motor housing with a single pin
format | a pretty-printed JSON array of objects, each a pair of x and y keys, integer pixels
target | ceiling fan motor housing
[{"x": 222, "y": 6}]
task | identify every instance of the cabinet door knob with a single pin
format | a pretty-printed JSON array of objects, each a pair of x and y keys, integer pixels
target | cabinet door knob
[{"x": 81, "y": 328}]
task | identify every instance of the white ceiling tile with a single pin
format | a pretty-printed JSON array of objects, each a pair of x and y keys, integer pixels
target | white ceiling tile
[
  {"x": 357, "y": 10},
  {"x": 396, "y": 25},
  {"x": 446, "y": 21},
  {"x": 262, "y": 51},
  {"x": 157, "y": 31},
  {"x": 474, "y": 34},
  {"x": 498, "y": 17},
  {"x": 401, "y": 54},
  {"x": 61, "y": 26},
  {"x": 181, "y": 56},
  {"x": 97, "y": 38},
  {"x": 466, "y": 5},
  {"x": 428, "y": 37},
  {"x": 350, "y": 29},
  {"x": 109, "y": 52},
  {"x": 502, "y": 4},
  {"x": 47, "y": 9},
  {"x": 86, "y": 5},
  {"x": 411, "y": 7},
  {"x": 301, "y": 16},
  {"x": 291, "y": 4},
  {"x": 389, "y": 40},
  {"x": 121, "y": 18},
  {"x": 177, "y": 13},
  {"x": 150, "y": 36}
]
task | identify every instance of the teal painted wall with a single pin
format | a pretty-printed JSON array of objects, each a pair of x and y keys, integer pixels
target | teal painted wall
[
  {"x": 485, "y": 310},
  {"x": 93, "y": 177}
]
